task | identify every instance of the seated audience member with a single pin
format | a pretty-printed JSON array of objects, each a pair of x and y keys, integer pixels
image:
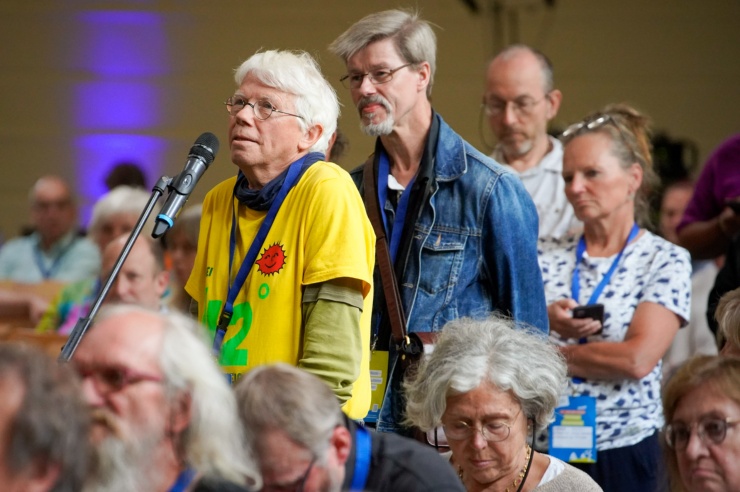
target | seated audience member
[
  {"x": 696, "y": 337},
  {"x": 162, "y": 413},
  {"x": 642, "y": 281},
  {"x": 702, "y": 410},
  {"x": 181, "y": 243},
  {"x": 142, "y": 279},
  {"x": 55, "y": 250},
  {"x": 125, "y": 174},
  {"x": 492, "y": 387},
  {"x": 114, "y": 214},
  {"x": 728, "y": 321},
  {"x": 710, "y": 220},
  {"x": 43, "y": 423},
  {"x": 303, "y": 441}
]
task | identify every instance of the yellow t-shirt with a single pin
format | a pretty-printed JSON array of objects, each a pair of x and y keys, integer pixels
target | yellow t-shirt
[{"x": 320, "y": 233}]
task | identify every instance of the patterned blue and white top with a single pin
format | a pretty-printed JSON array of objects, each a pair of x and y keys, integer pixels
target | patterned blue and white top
[{"x": 651, "y": 270}]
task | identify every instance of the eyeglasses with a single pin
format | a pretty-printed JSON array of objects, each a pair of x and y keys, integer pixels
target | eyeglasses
[
  {"x": 296, "y": 485},
  {"x": 262, "y": 109},
  {"x": 493, "y": 431},
  {"x": 377, "y": 77},
  {"x": 710, "y": 431},
  {"x": 521, "y": 107},
  {"x": 109, "y": 380}
]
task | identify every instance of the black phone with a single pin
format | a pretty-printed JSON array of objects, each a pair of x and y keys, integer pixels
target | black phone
[{"x": 595, "y": 311}]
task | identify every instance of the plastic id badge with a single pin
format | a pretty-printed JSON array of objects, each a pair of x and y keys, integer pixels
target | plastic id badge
[
  {"x": 572, "y": 436},
  {"x": 378, "y": 382}
]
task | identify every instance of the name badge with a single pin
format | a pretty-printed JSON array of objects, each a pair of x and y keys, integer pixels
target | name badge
[
  {"x": 572, "y": 436},
  {"x": 378, "y": 382}
]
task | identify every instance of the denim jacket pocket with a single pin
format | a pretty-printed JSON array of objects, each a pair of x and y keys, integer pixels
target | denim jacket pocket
[{"x": 441, "y": 256}]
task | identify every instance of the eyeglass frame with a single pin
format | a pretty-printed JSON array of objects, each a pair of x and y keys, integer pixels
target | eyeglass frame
[
  {"x": 347, "y": 84},
  {"x": 299, "y": 482},
  {"x": 519, "y": 108},
  {"x": 471, "y": 431},
  {"x": 727, "y": 422},
  {"x": 230, "y": 105},
  {"x": 129, "y": 377}
]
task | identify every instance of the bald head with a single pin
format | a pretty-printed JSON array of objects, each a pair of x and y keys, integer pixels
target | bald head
[
  {"x": 53, "y": 211},
  {"x": 520, "y": 100}
]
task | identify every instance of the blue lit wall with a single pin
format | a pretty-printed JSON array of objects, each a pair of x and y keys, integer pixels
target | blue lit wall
[{"x": 121, "y": 56}]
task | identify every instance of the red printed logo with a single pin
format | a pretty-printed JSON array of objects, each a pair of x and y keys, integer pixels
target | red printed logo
[{"x": 272, "y": 260}]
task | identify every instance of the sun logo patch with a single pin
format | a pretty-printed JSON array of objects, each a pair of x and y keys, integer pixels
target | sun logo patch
[{"x": 272, "y": 260}]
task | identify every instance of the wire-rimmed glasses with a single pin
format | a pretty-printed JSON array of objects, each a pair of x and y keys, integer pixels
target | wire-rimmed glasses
[
  {"x": 377, "y": 77},
  {"x": 262, "y": 108}
]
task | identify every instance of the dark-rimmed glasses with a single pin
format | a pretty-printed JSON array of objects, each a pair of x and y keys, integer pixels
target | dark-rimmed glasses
[
  {"x": 710, "y": 431},
  {"x": 296, "y": 485},
  {"x": 262, "y": 108},
  {"x": 493, "y": 431},
  {"x": 109, "y": 380},
  {"x": 521, "y": 107},
  {"x": 377, "y": 77}
]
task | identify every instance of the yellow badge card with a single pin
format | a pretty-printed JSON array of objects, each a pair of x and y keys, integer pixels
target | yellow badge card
[{"x": 378, "y": 381}]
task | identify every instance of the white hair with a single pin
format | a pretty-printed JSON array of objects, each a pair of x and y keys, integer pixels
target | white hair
[
  {"x": 120, "y": 200},
  {"x": 297, "y": 73},
  {"x": 496, "y": 350},
  {"x": 213, "y": 444}
]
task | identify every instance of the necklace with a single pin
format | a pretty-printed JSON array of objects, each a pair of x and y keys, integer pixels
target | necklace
[{"x": 517, "y": 481}]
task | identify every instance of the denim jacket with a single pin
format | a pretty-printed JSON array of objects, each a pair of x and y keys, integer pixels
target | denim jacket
[{"x": 473, "y": 251}]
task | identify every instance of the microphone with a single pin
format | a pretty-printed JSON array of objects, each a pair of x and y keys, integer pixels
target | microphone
[{"x": 200, "y": 157}]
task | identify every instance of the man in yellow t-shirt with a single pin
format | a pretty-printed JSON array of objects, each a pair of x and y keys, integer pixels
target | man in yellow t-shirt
[{"x": 295, "y": 227}]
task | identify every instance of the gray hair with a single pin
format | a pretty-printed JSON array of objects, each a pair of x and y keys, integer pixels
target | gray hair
[
  {"x": 213, "y": 443},
  {"x": 51, "y": 426},
  {"x": 548, "y": 78},
  {"x": 413, "y": 37},
  {"x": 292, "y": 400},
  {"x": 470, "y": 352},
  {"x": 120, "y": 200},
  {"x": 297, "y": 73},
  {"x": 187, "y": 223}
]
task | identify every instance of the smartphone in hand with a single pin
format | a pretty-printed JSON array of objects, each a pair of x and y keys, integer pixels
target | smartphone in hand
[{"x": 594, "y": 311}]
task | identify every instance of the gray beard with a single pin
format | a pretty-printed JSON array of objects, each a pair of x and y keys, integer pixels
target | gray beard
[
  {"x": 122, "y": 466},
  {"x": 385, "y": 127}
]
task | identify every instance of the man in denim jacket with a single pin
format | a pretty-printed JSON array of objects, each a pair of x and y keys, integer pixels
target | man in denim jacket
[{"x": 462, "y": 230}]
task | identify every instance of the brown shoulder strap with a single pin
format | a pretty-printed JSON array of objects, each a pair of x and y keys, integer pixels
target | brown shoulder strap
[{"x": 382, "y": 254}]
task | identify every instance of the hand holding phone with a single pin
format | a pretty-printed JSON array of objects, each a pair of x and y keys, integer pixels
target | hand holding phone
[{"x": 594, "y": 311}]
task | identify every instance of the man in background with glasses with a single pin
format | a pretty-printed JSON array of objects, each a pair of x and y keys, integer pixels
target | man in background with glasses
[
  {"x": 283, "y": 271},
  {"x": 518, "y": 102},
  {"x": 163, "y": 417},
  {"x": 461, "y": 229},
  {"x": 303, "y": 442}
]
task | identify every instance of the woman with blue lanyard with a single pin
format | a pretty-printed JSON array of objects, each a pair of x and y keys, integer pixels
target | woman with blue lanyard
[{"x": 640, "y": 285}]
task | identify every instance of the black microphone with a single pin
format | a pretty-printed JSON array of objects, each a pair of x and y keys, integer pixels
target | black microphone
[{"x": 200, "y": 157}]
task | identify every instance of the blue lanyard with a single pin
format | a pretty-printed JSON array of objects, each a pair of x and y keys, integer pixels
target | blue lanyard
[
  {"x": 223, "y": 323},
  {"x": 183, "y": 480},
  {"x": 47, "y": 273},
  {"x": 362, "y": 459},
  {"x": 580, "y": 250},
  {"x": 401, "y": 208}
]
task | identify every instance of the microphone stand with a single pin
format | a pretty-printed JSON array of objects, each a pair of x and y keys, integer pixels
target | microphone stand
[{"x": 84, "y": 322}]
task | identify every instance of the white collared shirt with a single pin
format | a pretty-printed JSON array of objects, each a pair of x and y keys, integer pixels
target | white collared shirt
[{"x": 544, "y": 183}]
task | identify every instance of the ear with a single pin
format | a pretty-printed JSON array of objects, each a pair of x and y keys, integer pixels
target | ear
[
  {"x": 555, "y": 98},
  {"x": 181, "y": 412},
  {"x": 310, "y": 137},
  {"x": 635, "y": 172},
  {"x": 425, "y": 76},
  {"x": 44, "y": 477},
  {"x": 162, "y": 281},
  {"x": 341, "y": 441}
]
